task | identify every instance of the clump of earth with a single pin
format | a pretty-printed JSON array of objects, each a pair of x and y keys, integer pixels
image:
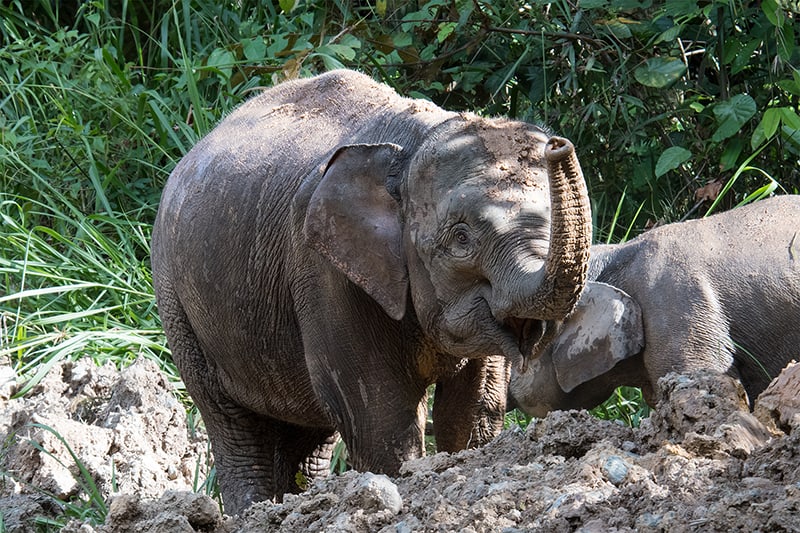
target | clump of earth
[{"x": 701, "y": 462}]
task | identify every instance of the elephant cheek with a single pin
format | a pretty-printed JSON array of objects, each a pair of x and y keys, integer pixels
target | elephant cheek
[
  {"x": 423, "y": 294},
  {"x": 467, "y": 328}
]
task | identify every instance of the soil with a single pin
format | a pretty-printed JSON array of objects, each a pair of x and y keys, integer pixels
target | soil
[{"x": 700, "y": 462}]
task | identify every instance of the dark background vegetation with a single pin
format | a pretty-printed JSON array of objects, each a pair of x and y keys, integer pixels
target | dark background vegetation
[{"x": 676, "y": 109}]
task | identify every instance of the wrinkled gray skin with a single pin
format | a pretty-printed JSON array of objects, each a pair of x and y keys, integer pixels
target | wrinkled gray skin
[
  {"x": 721, "y": 293},
  {"x": 330, "y": 249}
]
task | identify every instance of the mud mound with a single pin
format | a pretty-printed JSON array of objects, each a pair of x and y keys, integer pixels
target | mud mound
[
  {"x": 701, "y": 462},
  {"x": 125, "y": 429}
]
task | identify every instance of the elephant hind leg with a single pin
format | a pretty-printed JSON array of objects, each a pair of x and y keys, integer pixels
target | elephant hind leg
[
  {"x": 256, "y": 457},
  {"x": 260, "y": 458},
  {"x": 314, "y": 461}
]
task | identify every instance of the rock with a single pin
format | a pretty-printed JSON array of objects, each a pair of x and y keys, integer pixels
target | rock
[
  {"x": 375, "y": 493},
  {"x": 126, "y": 430},
  {"x": 8, "y": 382},
  {"x": 778, "y": 407},
  {"x": 701, "y": 462},
  {"x": 615, "y": 469},
  {"x": 19, "y": 512}
]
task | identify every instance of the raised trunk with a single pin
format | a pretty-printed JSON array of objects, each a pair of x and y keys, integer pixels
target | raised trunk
[
  {"x": 542, "y": 299},
  {"x": 570, "y": 234}
]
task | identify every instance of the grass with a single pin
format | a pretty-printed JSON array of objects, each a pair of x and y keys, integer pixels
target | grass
[{"x": 76, "y": 286}]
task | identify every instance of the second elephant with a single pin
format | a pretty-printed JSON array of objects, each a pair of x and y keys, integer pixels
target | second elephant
[{"x": 721, "y": 293}]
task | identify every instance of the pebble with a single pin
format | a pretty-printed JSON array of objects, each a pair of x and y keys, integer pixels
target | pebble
[
  {"x": 615, "y": 469},
  {"x": 376, "y": 492}
]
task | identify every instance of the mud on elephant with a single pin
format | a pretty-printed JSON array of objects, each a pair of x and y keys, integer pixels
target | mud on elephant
[
  {"x": 720, "y": 293},
  {"x": 331, "y": 249}
]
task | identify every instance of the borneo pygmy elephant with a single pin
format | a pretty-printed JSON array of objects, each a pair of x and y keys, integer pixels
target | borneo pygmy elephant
[
  {"x": 331, "y": 249},
  {"x": 720, "y": 293}
]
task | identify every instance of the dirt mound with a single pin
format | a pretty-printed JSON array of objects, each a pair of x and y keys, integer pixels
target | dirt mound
[
  {"x": 87, "y": 431},
  {"x": 701, "y": 462}
]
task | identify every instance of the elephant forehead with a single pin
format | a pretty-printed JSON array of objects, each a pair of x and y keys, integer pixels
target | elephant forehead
[
  {"x": 500, "y": 208},
  {"x": 516, "y": 153}
]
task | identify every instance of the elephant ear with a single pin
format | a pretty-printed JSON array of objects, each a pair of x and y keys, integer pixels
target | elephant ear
[
  {"x": 354, "y": 222},
  {"x": 605, "y": 328}
]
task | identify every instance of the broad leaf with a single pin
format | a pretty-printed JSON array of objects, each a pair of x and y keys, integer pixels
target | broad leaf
[
  {"x": 732, "y": 115},
  {"x": 770, "y": 122},
  {"x": 671, "y": 158},
  {"x": 286, "y": 5},
  {"x": 445, "y": 29},
  {"x": 254, "y": 49},
  {"x": 660, "y": 72},
  {"x": 222, "y": 60}
]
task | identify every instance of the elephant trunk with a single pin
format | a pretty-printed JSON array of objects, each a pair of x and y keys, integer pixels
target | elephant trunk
[
  {"x": 556, "y": 288},
  {"x": 550, "y": 293},
  {"x": 570, "y": 233}
]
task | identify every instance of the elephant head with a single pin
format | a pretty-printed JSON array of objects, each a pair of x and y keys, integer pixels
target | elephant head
[
  {"x": 589, "y": 357},
  {"x": 467, "y": 225}
]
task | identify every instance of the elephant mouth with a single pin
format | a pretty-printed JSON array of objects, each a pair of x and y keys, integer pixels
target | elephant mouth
[{"x": 528, "y": 333}]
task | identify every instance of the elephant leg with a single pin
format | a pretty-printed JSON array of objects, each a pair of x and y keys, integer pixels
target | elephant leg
[
  {"x": 469, "y": 407},
  {"x": 314, "y": 449},
  {"x": 376, "y": 402},
  {"x": 256, "y": 457},
  {"x": 260, "y": 458},
  {"x": 382, "y": 424},
  {"x": 363, "y": 370}
]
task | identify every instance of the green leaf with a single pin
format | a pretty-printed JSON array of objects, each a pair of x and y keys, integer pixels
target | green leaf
[
  {"x": 222, "y": 60},
  {"x": 445, "y": 29},
  {"x": 286, "y": 5},
  {"x": 680, "y": 8},
  {"x": 743, "y": 58},
  {"x": 671, "y": 158},
  {"x": 254, "y": 49},
  {"x": 786, "y": 43},
  {"x": 731, "y": 154},
  {"x": 339, "y": 50},
  {"x": 593, "y": 4},
  {"x": 669, "y": 35},
  {"x": 770, "y": 122},
  {"x": 790, "y": 118},
  {"x": 660, "y": 72},
  {"x": 618, "y": 28},
  {"x": 773, "y": 12},
  {"x": 330, "y": 62},
  {"x": 732, "y": 115}
]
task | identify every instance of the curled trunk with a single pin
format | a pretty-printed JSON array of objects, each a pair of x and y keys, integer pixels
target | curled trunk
[{"x": 570, "y": 233}]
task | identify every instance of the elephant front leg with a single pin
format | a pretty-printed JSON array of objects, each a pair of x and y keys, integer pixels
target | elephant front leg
[
  {"x": 469, "y": 407},
  {"x": 382, "y": 424}
]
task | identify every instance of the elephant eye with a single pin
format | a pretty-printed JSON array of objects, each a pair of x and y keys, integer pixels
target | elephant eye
[{"x": 462, "y": 243}]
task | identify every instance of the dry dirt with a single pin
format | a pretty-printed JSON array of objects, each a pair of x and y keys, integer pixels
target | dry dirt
[{"x": 701, "y": 462}]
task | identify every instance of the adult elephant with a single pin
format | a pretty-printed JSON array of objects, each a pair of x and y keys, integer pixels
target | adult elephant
[{"x": 331, "y": 249}]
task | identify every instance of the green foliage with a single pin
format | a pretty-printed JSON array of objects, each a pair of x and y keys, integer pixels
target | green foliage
[
  {"x": 626, "y": 405},
  {"x": 515, "y": 417},
  {"x": 77, "y": 286}
]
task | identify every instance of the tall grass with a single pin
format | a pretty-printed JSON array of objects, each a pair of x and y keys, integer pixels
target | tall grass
[
  {"x": 87, "y": 139},
  {"x": 76, "y": 286}
]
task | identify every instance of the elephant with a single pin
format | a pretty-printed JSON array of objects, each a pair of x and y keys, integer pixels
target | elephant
[
  {"x": 331, "y": 249},
  {"x": 720, "y": 293}
]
